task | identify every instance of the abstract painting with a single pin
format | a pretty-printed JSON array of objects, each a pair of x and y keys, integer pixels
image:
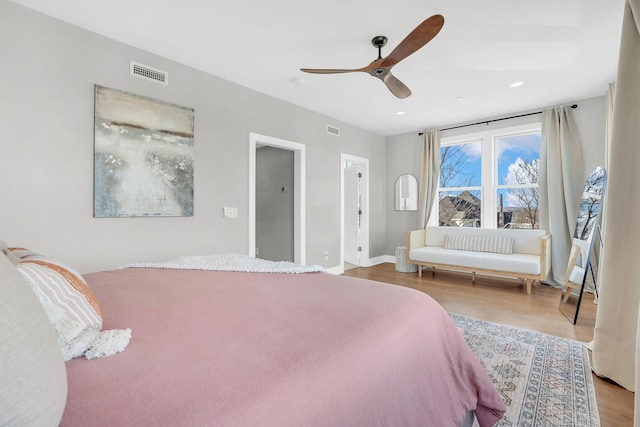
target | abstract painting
[{"x": 143, "y": 164}]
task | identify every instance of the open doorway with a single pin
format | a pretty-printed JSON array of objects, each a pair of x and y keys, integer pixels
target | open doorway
[
  {"x": 255, "y": 142},
  {"x": 355, "y": 211}
]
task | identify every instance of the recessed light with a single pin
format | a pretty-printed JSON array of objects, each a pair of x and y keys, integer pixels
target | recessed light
[
  {"x": 459, "y": 98},
  {"x": 399, "y": 113},
  {"x": 516, "y": 84}
]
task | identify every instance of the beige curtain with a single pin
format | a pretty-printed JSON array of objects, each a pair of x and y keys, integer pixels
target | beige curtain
[
  {"x": 611, "y": 96},
  {"x": 429, "y": 174},
  {"x": 614, "y": 341},
  {"x": 561, "y": 185}
]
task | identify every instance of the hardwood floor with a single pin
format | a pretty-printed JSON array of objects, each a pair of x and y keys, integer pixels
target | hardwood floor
[{"x": 505, "y": 301}]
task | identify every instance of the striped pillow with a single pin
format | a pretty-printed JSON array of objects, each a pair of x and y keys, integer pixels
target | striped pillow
[
  {"x": 495, "y": 244},
  {"x": 72, "y": 309},
  {"x": 60, "y": 285},
  {"x": 5, "y": 249}
]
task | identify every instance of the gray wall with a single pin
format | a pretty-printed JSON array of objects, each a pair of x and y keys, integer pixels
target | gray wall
[
  {"x": 403, "y": 156},
  {"x": 404, "y": 151},
  {"x": 49, "y": 69},
  {"x": 274, "y": 207}
]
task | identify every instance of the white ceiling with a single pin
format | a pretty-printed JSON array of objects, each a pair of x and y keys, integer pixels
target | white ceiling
[{"x": 562, "y": 50}]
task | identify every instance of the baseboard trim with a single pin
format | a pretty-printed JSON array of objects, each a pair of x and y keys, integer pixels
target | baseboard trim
[
  {"x": 339, "y": 269},
  {"x": 335, "y": 270},
  {"x": 380, "y": 260}
]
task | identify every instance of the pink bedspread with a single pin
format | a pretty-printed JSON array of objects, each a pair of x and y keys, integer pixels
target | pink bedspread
[{"x": 248, "y": 349}]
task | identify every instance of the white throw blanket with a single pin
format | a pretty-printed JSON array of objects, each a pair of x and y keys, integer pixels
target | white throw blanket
[
  {"x": 229, "y": 262},
  {"x": 75, "y": 341}
]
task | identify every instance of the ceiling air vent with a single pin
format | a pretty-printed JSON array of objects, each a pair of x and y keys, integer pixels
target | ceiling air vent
[
  {"x": 332, "y": 130},
  {"x": 149, "y": 73}
]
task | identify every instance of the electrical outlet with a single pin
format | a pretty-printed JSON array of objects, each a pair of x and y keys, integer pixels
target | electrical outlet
[{"x": 326, "y": 254}]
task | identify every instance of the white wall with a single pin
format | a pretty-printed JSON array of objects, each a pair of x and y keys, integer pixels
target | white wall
[
  {"x": 590, "y": 120},
  {"x": 404, "y": 151},
  {"x": 49, "y": 69}
]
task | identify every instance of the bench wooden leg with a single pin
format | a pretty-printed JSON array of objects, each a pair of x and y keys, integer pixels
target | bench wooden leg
[
  {"x": 473, "y": 277},
  {"x": 529, "y": 282},
  {"x": 420, "y": 270},
  {"x": 567, "y": 293}
]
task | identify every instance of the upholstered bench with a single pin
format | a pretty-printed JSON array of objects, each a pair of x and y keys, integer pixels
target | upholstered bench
[{"x": 523, "y": 254}]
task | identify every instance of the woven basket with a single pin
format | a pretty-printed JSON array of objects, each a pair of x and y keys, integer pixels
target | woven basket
[{"x": 401, "y": 261}]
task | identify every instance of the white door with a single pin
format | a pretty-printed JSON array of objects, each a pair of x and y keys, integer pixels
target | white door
[{"x": 353, "y": 212}]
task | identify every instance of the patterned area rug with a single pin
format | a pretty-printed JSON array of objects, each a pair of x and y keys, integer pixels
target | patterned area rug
[{"x": 543, "y": 380}]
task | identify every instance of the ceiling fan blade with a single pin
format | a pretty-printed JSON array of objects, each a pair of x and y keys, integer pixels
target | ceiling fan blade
[
  {"x": 329, "y": 70},
  {"x": 396, "y": 87},
  {"x": 417, "y": 38}
]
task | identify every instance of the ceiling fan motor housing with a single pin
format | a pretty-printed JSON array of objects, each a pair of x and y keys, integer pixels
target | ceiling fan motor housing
[
  {"x": 379, "y": 41},
  {"x": 379, "y": 72}
]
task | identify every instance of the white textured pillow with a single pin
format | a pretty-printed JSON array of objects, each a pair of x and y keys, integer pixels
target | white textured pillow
[
  {"x": 60, "y": 285},
  {"x": 33, "y": 385},
  {"x": 494, "y": 244}
]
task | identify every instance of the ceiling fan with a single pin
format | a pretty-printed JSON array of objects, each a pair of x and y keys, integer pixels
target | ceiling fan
[{"x": 381, "y": 67}]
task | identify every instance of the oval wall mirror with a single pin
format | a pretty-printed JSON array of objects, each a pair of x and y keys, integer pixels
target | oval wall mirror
[{"x": 406, "y": 193}]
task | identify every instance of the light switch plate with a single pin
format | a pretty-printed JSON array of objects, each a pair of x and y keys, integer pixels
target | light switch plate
[{"x": 229, "y": 212}]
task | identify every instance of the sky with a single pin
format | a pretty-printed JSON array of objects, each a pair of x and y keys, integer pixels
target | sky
[{"x": 515, "y": 149}]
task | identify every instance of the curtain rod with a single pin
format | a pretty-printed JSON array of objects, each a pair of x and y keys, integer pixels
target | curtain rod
[{"x": 486, "y": 122}]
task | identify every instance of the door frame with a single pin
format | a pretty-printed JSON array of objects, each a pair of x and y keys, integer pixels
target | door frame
[
  {"x": 299, "y": 222},
  {"x": 364, "y": 256}
]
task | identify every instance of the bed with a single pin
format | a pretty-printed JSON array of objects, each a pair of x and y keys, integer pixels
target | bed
[{"x": 233, "y": 348}]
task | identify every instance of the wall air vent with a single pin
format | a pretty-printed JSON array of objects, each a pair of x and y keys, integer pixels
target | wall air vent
[
  {"x": 148, "y": 73},
  {"x": 332, "y": 130}
]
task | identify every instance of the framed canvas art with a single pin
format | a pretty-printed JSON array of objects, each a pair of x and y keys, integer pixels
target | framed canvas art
[{"x": 143, "y": 158}]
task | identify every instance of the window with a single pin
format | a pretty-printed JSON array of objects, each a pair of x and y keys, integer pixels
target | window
[
  {"x": 460, "y": 192},
  {"x": 489, "y": 179}
]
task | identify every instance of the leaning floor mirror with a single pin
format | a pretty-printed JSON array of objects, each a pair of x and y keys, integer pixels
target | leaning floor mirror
[{"x": 582, "y": 268}]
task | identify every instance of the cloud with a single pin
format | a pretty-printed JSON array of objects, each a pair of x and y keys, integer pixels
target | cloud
[
  {"x": 522, "y": 144},
  {"x": 514, "y": 170},
  {"x": 473, "y": 149},
  {"x": 510, "y": 178}
]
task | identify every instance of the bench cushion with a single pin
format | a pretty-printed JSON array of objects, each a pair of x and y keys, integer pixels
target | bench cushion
[
  {"x": 514, "y": 263},
  {"x": 524, "y": 241},
  {"x": 495, "y": 244}
]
